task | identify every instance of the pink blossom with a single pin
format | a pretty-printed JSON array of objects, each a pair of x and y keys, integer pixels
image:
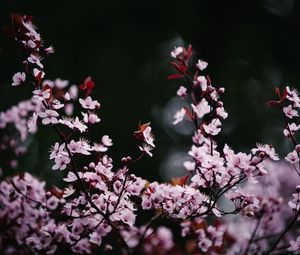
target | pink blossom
[
  {"x": 68, "y": 191},
  {"x": 106, "y": 141},
  {"x": 79, "y": 125},
  {"x": 88, "y": 103},
  {"x": 292, "y": 157},
  {"x": 221, "y": 112},
  {"x": 146, "y": 149},
  {"x": 81, "y": 147},
  {"x": 34, "y": 59},
  {"x": 179, "y": 116},
  {"x": 202, "y": 82},
  {"x": 37, "y": 72},
  {"x": 91, "y": 118},
  {"x": 295, "y": 202},
  {"x": 292, "y": 128},
  {"x": 176, "y": 52},
  {"x": 201, "y": 65},
  {"x": 52, "y": 203},
  {"x": 41, "y": 95},
  {"x": 189, "y": 166},
  {"x": 49, "y": 50},
  {"x": 213, "y": 128},
  {"x": 182, "y": 91},
  {"x": 295, "y": 245},
  {"x": 61, "y": 162},
  {"x": 202, "y": 108},
  {"x": 18, "y": 78},
  {"x": 32, "y": 126},
  {"x": 148, "y": 136},
  {"x": 293, "y": 96},
  {"x": 290, "y": 112},
  {"x": 49, "y": 117},
  {"x": 267, "y": 150}
]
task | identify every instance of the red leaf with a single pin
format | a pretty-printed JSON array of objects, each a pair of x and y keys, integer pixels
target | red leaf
[
  {"x": 272, "y": 103},
  {"x": 38, "y": 78},
  {"x": 179, "y": 180},
  {"x": 176, "y": 66},
  {"x": 89, "y": 84},
  {"x": 175, "y": 76},
  {"x": 189, "y": 51}
]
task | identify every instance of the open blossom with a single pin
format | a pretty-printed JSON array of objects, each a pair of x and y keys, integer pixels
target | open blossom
[
  {"x": 221, "y": 112},
  {"x": 88, "y": 103},
  {"x": 49, "y": 117},
  {"x": 295, "y": 202},
  {"x": 267, "y": 150},
  {"x": 61, "y": 162},
  {"x": 49, "y": 50},
  {"x": 189, "y": 166},
  {"x": 56, "y": 104},
  {"x": 102, "y": 147},
  {"x": 201, "y": 65},
  {"x": 34, "y": 59},
  {"x": 79, "y": 125},
  {"x": 149, "y": 138},
  {"x": 293, "y": 96},
  {"x": 176, "y": 201},
  {"x": 176, "y": 52},
  {"x": 81, "y": 147},
  {"x": 144, "y": 134},
  {"x": 37, "y": 72},
  {"x": 106, "y": 141},
  {"x": 97, "y": 209},
  {"x": 213, "y": 128},
  {"x": 182, "y": 91},
  {"x": 202, "y": 82},
  {"x": 58, "y": 150},
  {"x": 292, "y": 157},
  {"x": 68, "y": 191},
  {"x": 290, "y": 112},
  {"x": 295, "y": 245},
  {"x": 18, "y": 79},
  {"x": 146, "y": 149},
  {"x": 32, "y": 126},
  {"x": 90, "y": 118},
  {"x": 292, "y": 128},
  {"x": 41, "y": 94},
  {"x": 179, "y": 116},
  {"x": 202, "y": 108}
]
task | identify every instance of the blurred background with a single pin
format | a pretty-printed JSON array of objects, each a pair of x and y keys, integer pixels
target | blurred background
[{"x": 251, "y": 47}]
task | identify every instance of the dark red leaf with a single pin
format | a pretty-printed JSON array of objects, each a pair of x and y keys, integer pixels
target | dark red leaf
[{"x": 175, "y": 76}]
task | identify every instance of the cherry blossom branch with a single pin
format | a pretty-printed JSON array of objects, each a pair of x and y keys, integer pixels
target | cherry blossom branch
[
  {"x": 252, "y": 235},
  {"x": 283, "y": 233},
  {"x": 147, "y": 227}
]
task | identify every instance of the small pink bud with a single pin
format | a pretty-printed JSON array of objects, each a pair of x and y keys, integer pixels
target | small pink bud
[
  {"x": 221, "y": 90},
  {"x": 92, "y": 165},
  {"x": 124, "y": 161}
]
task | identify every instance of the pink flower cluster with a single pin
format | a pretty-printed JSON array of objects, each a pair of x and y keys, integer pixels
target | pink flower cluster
[
  {"x": 17, "y": 118},
  {"x": 104, "y": 207}
]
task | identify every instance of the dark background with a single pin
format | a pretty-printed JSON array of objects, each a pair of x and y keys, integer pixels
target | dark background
[{"x": 251, "y": 46}]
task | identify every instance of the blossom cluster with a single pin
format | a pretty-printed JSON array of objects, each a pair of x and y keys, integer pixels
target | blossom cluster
[
  {"x": 104, "y": 207},
  {"x": 16, "y": 118},
  {"x": 289, "y": 103}
]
